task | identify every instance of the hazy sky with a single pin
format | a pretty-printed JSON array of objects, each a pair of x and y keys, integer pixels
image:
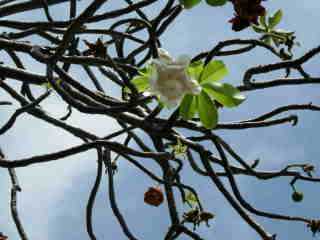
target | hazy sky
[{"x": 52, "y": 203}]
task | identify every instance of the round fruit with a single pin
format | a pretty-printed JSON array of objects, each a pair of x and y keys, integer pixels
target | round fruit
[
  {"x": 153, "y": 196},
  {"x": 297, "y": 196}
]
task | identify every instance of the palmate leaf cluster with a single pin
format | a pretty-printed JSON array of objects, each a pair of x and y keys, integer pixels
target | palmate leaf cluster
[
  {"x": 275, "y": 36},
  {"x": 213, "y": 91}
]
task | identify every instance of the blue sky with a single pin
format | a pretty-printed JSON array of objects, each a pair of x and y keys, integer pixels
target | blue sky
[{"x": 52, "y": 203}]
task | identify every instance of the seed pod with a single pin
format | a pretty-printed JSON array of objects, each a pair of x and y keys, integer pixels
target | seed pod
[{"x": 153, "y": 196}]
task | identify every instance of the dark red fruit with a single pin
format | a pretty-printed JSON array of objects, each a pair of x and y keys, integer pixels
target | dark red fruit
[{"x": 153, "y": 196}]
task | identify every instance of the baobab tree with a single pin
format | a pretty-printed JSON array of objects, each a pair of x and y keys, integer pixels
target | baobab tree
[{"x": 168, "y": 108}]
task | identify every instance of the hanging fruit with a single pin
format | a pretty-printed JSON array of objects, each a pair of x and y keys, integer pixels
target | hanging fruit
[{"x": 153, "y": 196}]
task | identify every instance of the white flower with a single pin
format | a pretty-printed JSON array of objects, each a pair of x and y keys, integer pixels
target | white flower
[{"x": 169, "y": 78}]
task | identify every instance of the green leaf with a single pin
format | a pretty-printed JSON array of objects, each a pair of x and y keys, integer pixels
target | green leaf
[
  {"x": 195, "y": 69},
  {"x": 213, "y": 71},
  {"x": 216, "y": 3},
  {"x": 188, "y": 107},
  {"x": 258, "y": 29},
  {"x": 48, "y": 85},
  {"x": 141, "y": 83},
  {"x": 207, "y": 111},
  {"x": 262, "y": 21},
  {"x": 224, "y": 93},
  {"x": 275, "y": 19},
  {"x": 189, "y": 3},
  {"x": 276, "y": 41},
  {"x": 191, "y": 198},
  {"x": 284, "y": 32},
  {"x": 179, "y": 148},
  {"x": 146, "y": 71}
]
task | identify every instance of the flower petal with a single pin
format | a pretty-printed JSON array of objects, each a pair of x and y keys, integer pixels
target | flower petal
[
  {"x": 183, "y": 60},
  {"x": 164, "y": 55}
]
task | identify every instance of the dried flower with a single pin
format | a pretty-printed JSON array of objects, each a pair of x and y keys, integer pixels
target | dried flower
[
  {"x": 97, "y": 49},
  {"x": 196, "y": 217},
  {"x": 308, "y": 169},
  {"x": 205, "y": 217},
  {"x": 247, "y": 12},
  {"x": 192, "y": 216},
  {"x": 314, "y": 226}
]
